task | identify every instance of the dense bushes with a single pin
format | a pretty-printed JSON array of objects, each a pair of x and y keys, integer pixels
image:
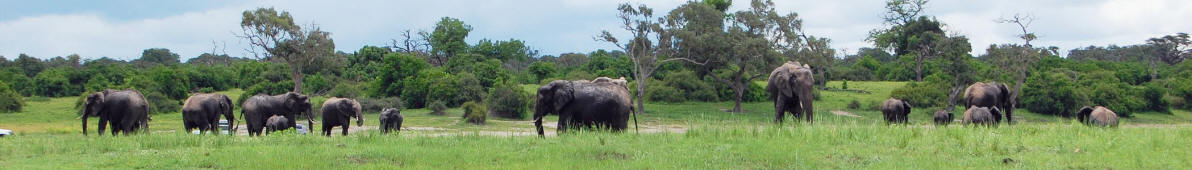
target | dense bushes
[
  {"x": 509, "y": 101},
  {"x": 55, "y": 83},
  {"x": 932, "y": 92},
  {"x": 377, "y": 104},
  {"x": 1053, "y": 93},
  {"x": 10, "y": 100},
  {"x": 474, "y": 113},
  {"x": 437, "y": 108}
]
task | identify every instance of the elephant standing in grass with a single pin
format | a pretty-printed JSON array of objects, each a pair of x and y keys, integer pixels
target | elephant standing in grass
[
  {"x": 896, "y": 111},
  {"x": 1099, "y": 116},
  {"x": 791, "y": 88},
  {"x": 981, "y": 115},
  {"x": 603, "y": 103},
  {"x": 338, "y": 112},
  {"x": 125, "y": 111},
  {"x": 276, "y": 123},
  {"x": 943, "y": 117},
  {"x": 202, "y": 111},
  {"x": 990, "y": 95},
  {"x": 257, "y": 109},
  {"x": 391, "y": 120}
]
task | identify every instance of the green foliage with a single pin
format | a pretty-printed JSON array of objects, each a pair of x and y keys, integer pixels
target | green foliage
[
  {"x": 609, "y": 66},
  {"x": 475, "y": 113},
  {"x": 398, "y": 68},
  {"x": 160, "y": 103},
  {"x": 17, "y": 81},
  {"x": 854, "y": 105},
  {"x": 267, "y": 88},
  {"x": 29, "y": 65},
  {"x": 932, "y": 92},
  {"x": 157, "y": 57},
  {"x": 844, "y": 85},
  {"x": 377, "y": 104},
  {"x": 469, "y": 88},
  {"x": 508, "y": 100},
  {"x": 170, "y": 82},
  {"x": 365, "y": 63},
  {"x": 345, "y": 90},
  {"x": 542, "y": 70},
  {"x": 437, "y": 107},
  {"x": 1053, "y": 93},
  {"x": 317, "y": 83},
  {"x": 448, "y": 37},
  {"x": 1181, "y": 90},
  {"x": 1105, "y": 89},
  {"x": 10, "y": 100},
  {"x": 428, "y": 85},
  {"x": 681, "y": 86},
  {"x": 55, "y": 83},
  {"x": 1153, "y": 94}
]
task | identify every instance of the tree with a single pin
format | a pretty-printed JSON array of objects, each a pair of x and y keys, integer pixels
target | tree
[
  {"x": 30, "y": 65},
  {"x": 1171, "y": 49},
  {"x": 1019, "y": 64},
  {"x": 157, "y": 56},
  {"x": 542, "y": 70},
  {"x": 284, "y": 41},
  {"x": 645, "y": 48},
  {"x": 908, "y": 32},
  {"x": 816, "y": 52},
  {"x": 399, "y": 68},
  {"x": 448, "y": 39}
]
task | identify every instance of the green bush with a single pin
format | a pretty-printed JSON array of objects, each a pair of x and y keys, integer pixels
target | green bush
[
  {"x": 1181, "y": 89},
  {"x": 690, "y": 87},
  {"x": 55, "y": 83},
  {"x": 474, "y": 113},
  {"x": 508, "y": 100},
  {"x": 316, "y": 83},
  {"x": 398, "y": 67},
  {"x": 170, "y": 82},
  {"x": 345, "y": 90},
  {"x": 428, "y": 85},
  {"x": 17, "y": 81},
  {"x": 932, "y": 92},
  {"x": 160, "y": 103},
  {"x": 437, "y": 107},
  {"x": 10, "y": 100},
  {"x": 1153, "y": 94},
  {"x": 659, "y": 92},
  {"x": 267, "y": 88},
  {"x": 377, "y": 104},
  {"x": 1053, "y": 93},
  {"x": 542, "y": 70},
  {"x": 1105, "y": 89},
  {"x": 854, "y": 105},
  {"x": 469, "y": 88}
]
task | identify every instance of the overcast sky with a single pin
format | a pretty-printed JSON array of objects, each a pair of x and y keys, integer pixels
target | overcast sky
[{"x": 123, "y": 28}]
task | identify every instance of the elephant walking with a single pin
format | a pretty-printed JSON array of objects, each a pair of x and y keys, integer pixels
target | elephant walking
[
  {"x": 202, "y": 111},
  {"x": 990, "y": 95},
  {"x": 257, "y": 109},
  {"x": 276, "y": 123},
  {"x": 391, "y": 120},
  {"x": 790, "y": 86},
  {"x": 1099, "y": 116},
  {"x": 603, "y": 103},
  {"x": 943, "y": 117},
  {"x": 338, "y": 111},
  {"x": 981, "y": 115},
  {"x": 896, "y": 111},
  {"x": 125, "y": 111}
]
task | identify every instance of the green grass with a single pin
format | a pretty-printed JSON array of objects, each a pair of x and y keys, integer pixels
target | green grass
[{"x": 48, "y": 138}]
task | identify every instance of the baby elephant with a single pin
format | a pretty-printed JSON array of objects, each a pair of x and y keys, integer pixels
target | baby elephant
[
  {"x": 338, "y": 112},
  {"x": 391, "y": 119},
  {"x": 981, "y": 115},
  {"x": 896, "y": 111},
  {"x": 943, "y": 117},
  {"x": 276, "y": 123},
  {"x": 1099, "y": 116}
]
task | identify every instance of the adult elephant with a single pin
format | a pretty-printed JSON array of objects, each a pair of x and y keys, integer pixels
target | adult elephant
[
  {"x": 895, "y": 110},
  {"x": 124, "y": 110},
  {"x": 1099, "y": 116},
  {"x": 391, "y": 120},
  {"x": 338, "y": 112},
  {"x": 791, "y": 88},
  {"x": 990, "y": 95},
  {"x": 202, "y": 111},
  {"x": 583, "y": 104},
  {"x": 258, "y": 108},
  {"x": 981, "y": 115}
]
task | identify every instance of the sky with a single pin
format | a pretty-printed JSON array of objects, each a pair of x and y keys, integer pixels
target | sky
[{"x": 122, "y": 29}]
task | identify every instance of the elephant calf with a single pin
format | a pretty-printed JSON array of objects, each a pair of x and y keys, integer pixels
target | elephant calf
[
  {"x": 981, "y": 115},
  {"x": 895, "y": 110},
  {"x": 202, "y": 111},
  {"x": 943, "y": 117},
  {"x": 391, "y": 119},
  {"x": 1099, "y": 116},
  {"x": 276, "y": 123},
  {"x": 338, "y": 111}
]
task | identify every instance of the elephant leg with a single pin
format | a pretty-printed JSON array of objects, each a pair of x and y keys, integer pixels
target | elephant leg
[
  {"x": 779, "y": 110},
  {"x": 808, "y": 110},
  {"x": 795, "y": 108},
  {"x": 345, "y": 129},
  {"x": 102, "y": 122},
  {"x": 564, "y": 121}
]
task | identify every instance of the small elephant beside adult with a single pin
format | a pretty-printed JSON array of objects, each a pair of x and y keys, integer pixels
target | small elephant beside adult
[
  {"x": 603, "y": 103},
  {"x": 201, "y": 111},
  {"x": 943, "y": 117},
  {"x": 993, "y": 94},
  {"x": 981, "y": 115},
  {"x": 391, "y": 120},
  {"x": 896, "y": 111},
  {"x": 1099, "y": 116},
  {"x": 791, "y": 88},
  {"x": 338, "y": 112},
  {"x": 276, "y": 123},
  {"x": 124, "y": 110},
  {"x": 258, "y": 108}
]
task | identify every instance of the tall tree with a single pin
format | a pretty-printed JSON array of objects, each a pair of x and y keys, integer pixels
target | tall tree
[
  {"x": 157, "y": 56},
  {"x": 448, "y": 39},
  {"x": 29, "y": 64},
  {"x": 284, "y": 41},
  {"x": 644, "y": 48},
  {"x": 1172, "y": 49},
  {"x": 1019, "y": 64},
  {"x": 908, "y": 31}
]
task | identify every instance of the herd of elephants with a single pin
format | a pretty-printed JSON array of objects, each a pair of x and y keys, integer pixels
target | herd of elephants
[{"x": 600, "y": 103}]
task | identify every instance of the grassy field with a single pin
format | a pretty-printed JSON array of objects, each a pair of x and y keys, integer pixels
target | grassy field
[{"x": 673, "y": 136}]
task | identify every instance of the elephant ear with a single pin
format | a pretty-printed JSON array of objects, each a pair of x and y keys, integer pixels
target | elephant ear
[
  {"x": 906, "y": 107},
  {"x": 563, "y": 93},
  {"x": 1005, "y": 95},
  {"x": 1083, "y": 113},
  {"x": 781, "y": 81},
  {"x": 995, "y": 111}
]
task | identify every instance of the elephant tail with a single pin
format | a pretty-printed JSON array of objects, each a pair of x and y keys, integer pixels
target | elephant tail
[{"x": 634, "y": 112}]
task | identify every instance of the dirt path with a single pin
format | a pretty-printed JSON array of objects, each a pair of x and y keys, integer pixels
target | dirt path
[{"x": 844, "y": 113}]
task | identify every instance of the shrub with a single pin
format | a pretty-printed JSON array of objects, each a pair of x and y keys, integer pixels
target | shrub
[
  {"x": 418, "y": 89},
  {"x": 469, "y": 88},
  {"x": 854, "y": 105},
  {"x": 844, "y": 85},
  {"x": 54, "y": 83},
  {"x": 160, "y": 103},
  {"x": 437, "y": 107},
  {"x": 170, "y": 82},
  {"x": 267, "y": 88},
  {"x": 1153, "y": 94},
  {"x": 10, "y": 100},
  {"x": 508, "y": 101},
  {"x": 345, "y": 90},
  {"x": 398, "y": 68},
  {"x": 474, "y": 113},
  {"x": 1181, "y": 89},
  {"x": 1105, "y": 89},
  {"x": 17, "y": 81},
  {"x": 377, "y": 104},
  {"x": 315, "y": 84},
  {"x": 662, "y": 93},
  {"x": 1052, "y": 93},
  {"x": 929, "y": 93}
]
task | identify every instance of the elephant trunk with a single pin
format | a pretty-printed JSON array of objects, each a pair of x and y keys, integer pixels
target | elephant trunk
[
  {"x": 359, "y": 119},
  {"x": 310, "y": 121},
  {"x": 538, "y": 124}
]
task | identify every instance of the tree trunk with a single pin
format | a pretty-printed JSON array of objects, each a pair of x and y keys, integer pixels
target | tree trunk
[
  {"x": 296, "y": 76},
  {"x": 919, "y": 69},
  {"x": 740, "y": 92},
  {"x": 641, "y": 94},
  {"x": 1154, "y": 70}
]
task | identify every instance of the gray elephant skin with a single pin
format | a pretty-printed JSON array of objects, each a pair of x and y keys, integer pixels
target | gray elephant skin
[
  {"x": 981, "y": 115},
  {"x": 258, "y": 108},
  {"x": 603, "y": 103},
  {"x": 201, "y": 111},
  {"x": 990, "y": 95},
  {"x": 338, "y": 112},
  {"x": 391, "y": 120},
  {"x": 943, "y": 117},
  {"x": 1098, "y": 116},
  {"x": 276, "y": 123},
  {"x": 895, "y": 110},
  {"x": 124, "y": 110},
  {"x": 790, "y": 86}
]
